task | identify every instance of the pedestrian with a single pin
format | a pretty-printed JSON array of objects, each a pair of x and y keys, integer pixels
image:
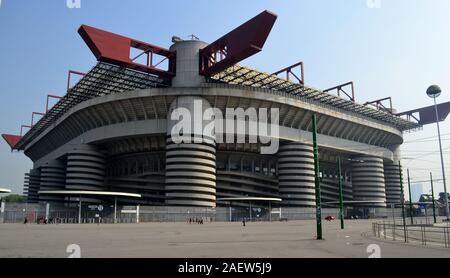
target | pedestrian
[
  {"x": 243, "y": 221},
  {"x": 25, "y": 221}
]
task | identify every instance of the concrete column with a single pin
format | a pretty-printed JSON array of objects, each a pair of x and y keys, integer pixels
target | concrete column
[
  {"x": 115, "y": 210},
  {"x": 368, "y": 180},
  {"x": 79, "y": 210},
  {"x": 392, "y": 177},
  {"x": 392, "y": 180},
  {"x": 190, "y": 163},
  {"x": 2, "y": 211},
  {"x": 85, "y": 168},
  {"x": 187, "y": 69},
  {"x": 296, "y": 174},
  {"x": 34, "y": 178},
  {"x": 138, "y": 207},
  {"x": 47, "y": 211},
  {"x": 52, "y": 177}
]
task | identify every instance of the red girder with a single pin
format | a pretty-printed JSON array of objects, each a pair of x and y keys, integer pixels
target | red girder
[
  {"x": 289, "y": 71},
  {"x": 339, "y": 89},
  {"x": 48, "y": 97},
  {"x": 239, "y": 44},
  {"x": 115, "y": 49},
  {"x": 32, "y": 116},
  {"x": 69, "y": 75},
  {"x": 12, "y": 140},
  {"x": 379, "y": 104},
  {"x": 427, "y": 115},
  {"x": 21, "y": 129}
]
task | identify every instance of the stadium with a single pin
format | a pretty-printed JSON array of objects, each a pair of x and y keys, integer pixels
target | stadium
[{"x": 110, "y": 134}]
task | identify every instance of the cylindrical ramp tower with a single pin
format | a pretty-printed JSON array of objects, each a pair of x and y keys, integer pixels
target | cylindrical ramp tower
[
  {"x": 392, "y": 179},
  {"x": 85, "y": 168},
  {"x": 33, "y": 185},
  {"x": 368, "y": 181},
  {"x": 53, "y": 177},
  {"x": 296, "y": 174},
  {"x": 190, "y": 163}
]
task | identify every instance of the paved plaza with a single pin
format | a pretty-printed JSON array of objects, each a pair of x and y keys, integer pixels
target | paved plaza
[{"x": 220, "y": 239}]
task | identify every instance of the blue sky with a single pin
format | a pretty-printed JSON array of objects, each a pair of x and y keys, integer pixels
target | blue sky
[{"x": 396, "y": 50}]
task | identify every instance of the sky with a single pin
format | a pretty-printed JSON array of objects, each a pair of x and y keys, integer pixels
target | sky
[{"x": 391, "y": 48}]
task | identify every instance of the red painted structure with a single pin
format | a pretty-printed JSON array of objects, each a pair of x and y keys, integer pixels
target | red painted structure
[
  {"x": 69, "y": 75},
  {"x": 115, "y": 49},
  {"x": 239, "y": 44},
  {"x": 290, "y": 71},
  {"x": 12, "y": 140},
  {"x": 379, "y": 104},
  {"x": 340, "y": 89},
  {"x": 48, "y": 98},
  {"x": 427, "y": 115}
]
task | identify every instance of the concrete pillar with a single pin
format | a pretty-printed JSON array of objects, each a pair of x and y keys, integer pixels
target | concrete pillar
[
  {"x": 296, "y": 174},
  {"x": 187, "y": 69},
  {"x": 47, "y": 211},
  {"x": 115, "y": 209},
  {"x": 2, "y": 211},
  {"x": 52, "y": 177},
  {"x": 85, "y": 168},
  {"x": 392, "y": 180},
  {"x": 34, "y": 179},
  {"x": 190, "y": 163},
  {"x": 368, "y": 180},
  {"x": 79, "y": 210},
  {"x": 138, "y": 207},
  {"x": 392, "y": 177}
]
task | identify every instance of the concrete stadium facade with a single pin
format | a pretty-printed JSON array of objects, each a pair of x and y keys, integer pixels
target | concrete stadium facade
[{"x": 121, "y": 142}]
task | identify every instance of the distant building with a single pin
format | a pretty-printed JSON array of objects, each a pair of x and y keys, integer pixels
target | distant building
[{"x": 416, "y": 192}]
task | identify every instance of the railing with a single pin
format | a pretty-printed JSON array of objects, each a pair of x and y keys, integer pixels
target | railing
[{"x": 424, "y": 234}]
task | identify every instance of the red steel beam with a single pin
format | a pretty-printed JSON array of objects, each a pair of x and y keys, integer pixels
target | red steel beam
[
  {"x": 379, "y": 104},
  {"x": 12, "y": 140},
  {"x": 115, "y": 49},
  {"x": 289, "y": 71},
  {"x": 32, "y": 116},
  {"x": 69, "y": 75},
  {"x": 48, "y": 97},
  {"x": 339, "y": 89},
  {"x": 239, "y": 44},
  {"x": 21, "y": 128},
  {"x": 427, "y": 115}
]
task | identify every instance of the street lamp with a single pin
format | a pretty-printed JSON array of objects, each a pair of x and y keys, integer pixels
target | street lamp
[{"x": 433, "y": 92}]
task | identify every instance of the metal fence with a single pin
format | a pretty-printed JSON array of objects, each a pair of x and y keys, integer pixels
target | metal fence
[
  {"x": 58, "y": 213},
  {"x": 419, "y": 232}
]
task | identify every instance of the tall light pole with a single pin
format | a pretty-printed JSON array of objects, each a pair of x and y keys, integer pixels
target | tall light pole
[
  {"x": 433, "y": 92},
  {"x": 341, "y": 198},
  {"x": 317, "y": 179}
]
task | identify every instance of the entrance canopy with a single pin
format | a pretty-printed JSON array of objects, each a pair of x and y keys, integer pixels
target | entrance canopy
[
  {"x": 4, "y": 190},
  {"x": 250, "y": 199},
  {"x": 356, "y": 202},
  {"x": 89, "y": 193},
  {"x": 80, "y": 193}
]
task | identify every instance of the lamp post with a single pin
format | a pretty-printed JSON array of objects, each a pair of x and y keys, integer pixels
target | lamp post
[
  {"x": 341, "y": 198},
  {"x": 432, "y": 198},
  {"x": 402, "y": 196},
  {"x": 410, "y": 199},
  {"x": 433, "y": 92},
  {"x": 317, "y": 179}
]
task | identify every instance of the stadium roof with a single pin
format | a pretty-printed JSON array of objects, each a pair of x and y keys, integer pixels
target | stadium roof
[
  {"x": 103, "y": 79},
  {"x": 239, "y": 75}
]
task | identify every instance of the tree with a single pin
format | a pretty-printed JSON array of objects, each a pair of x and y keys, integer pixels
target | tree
[{"x": 14, "y": 198}]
